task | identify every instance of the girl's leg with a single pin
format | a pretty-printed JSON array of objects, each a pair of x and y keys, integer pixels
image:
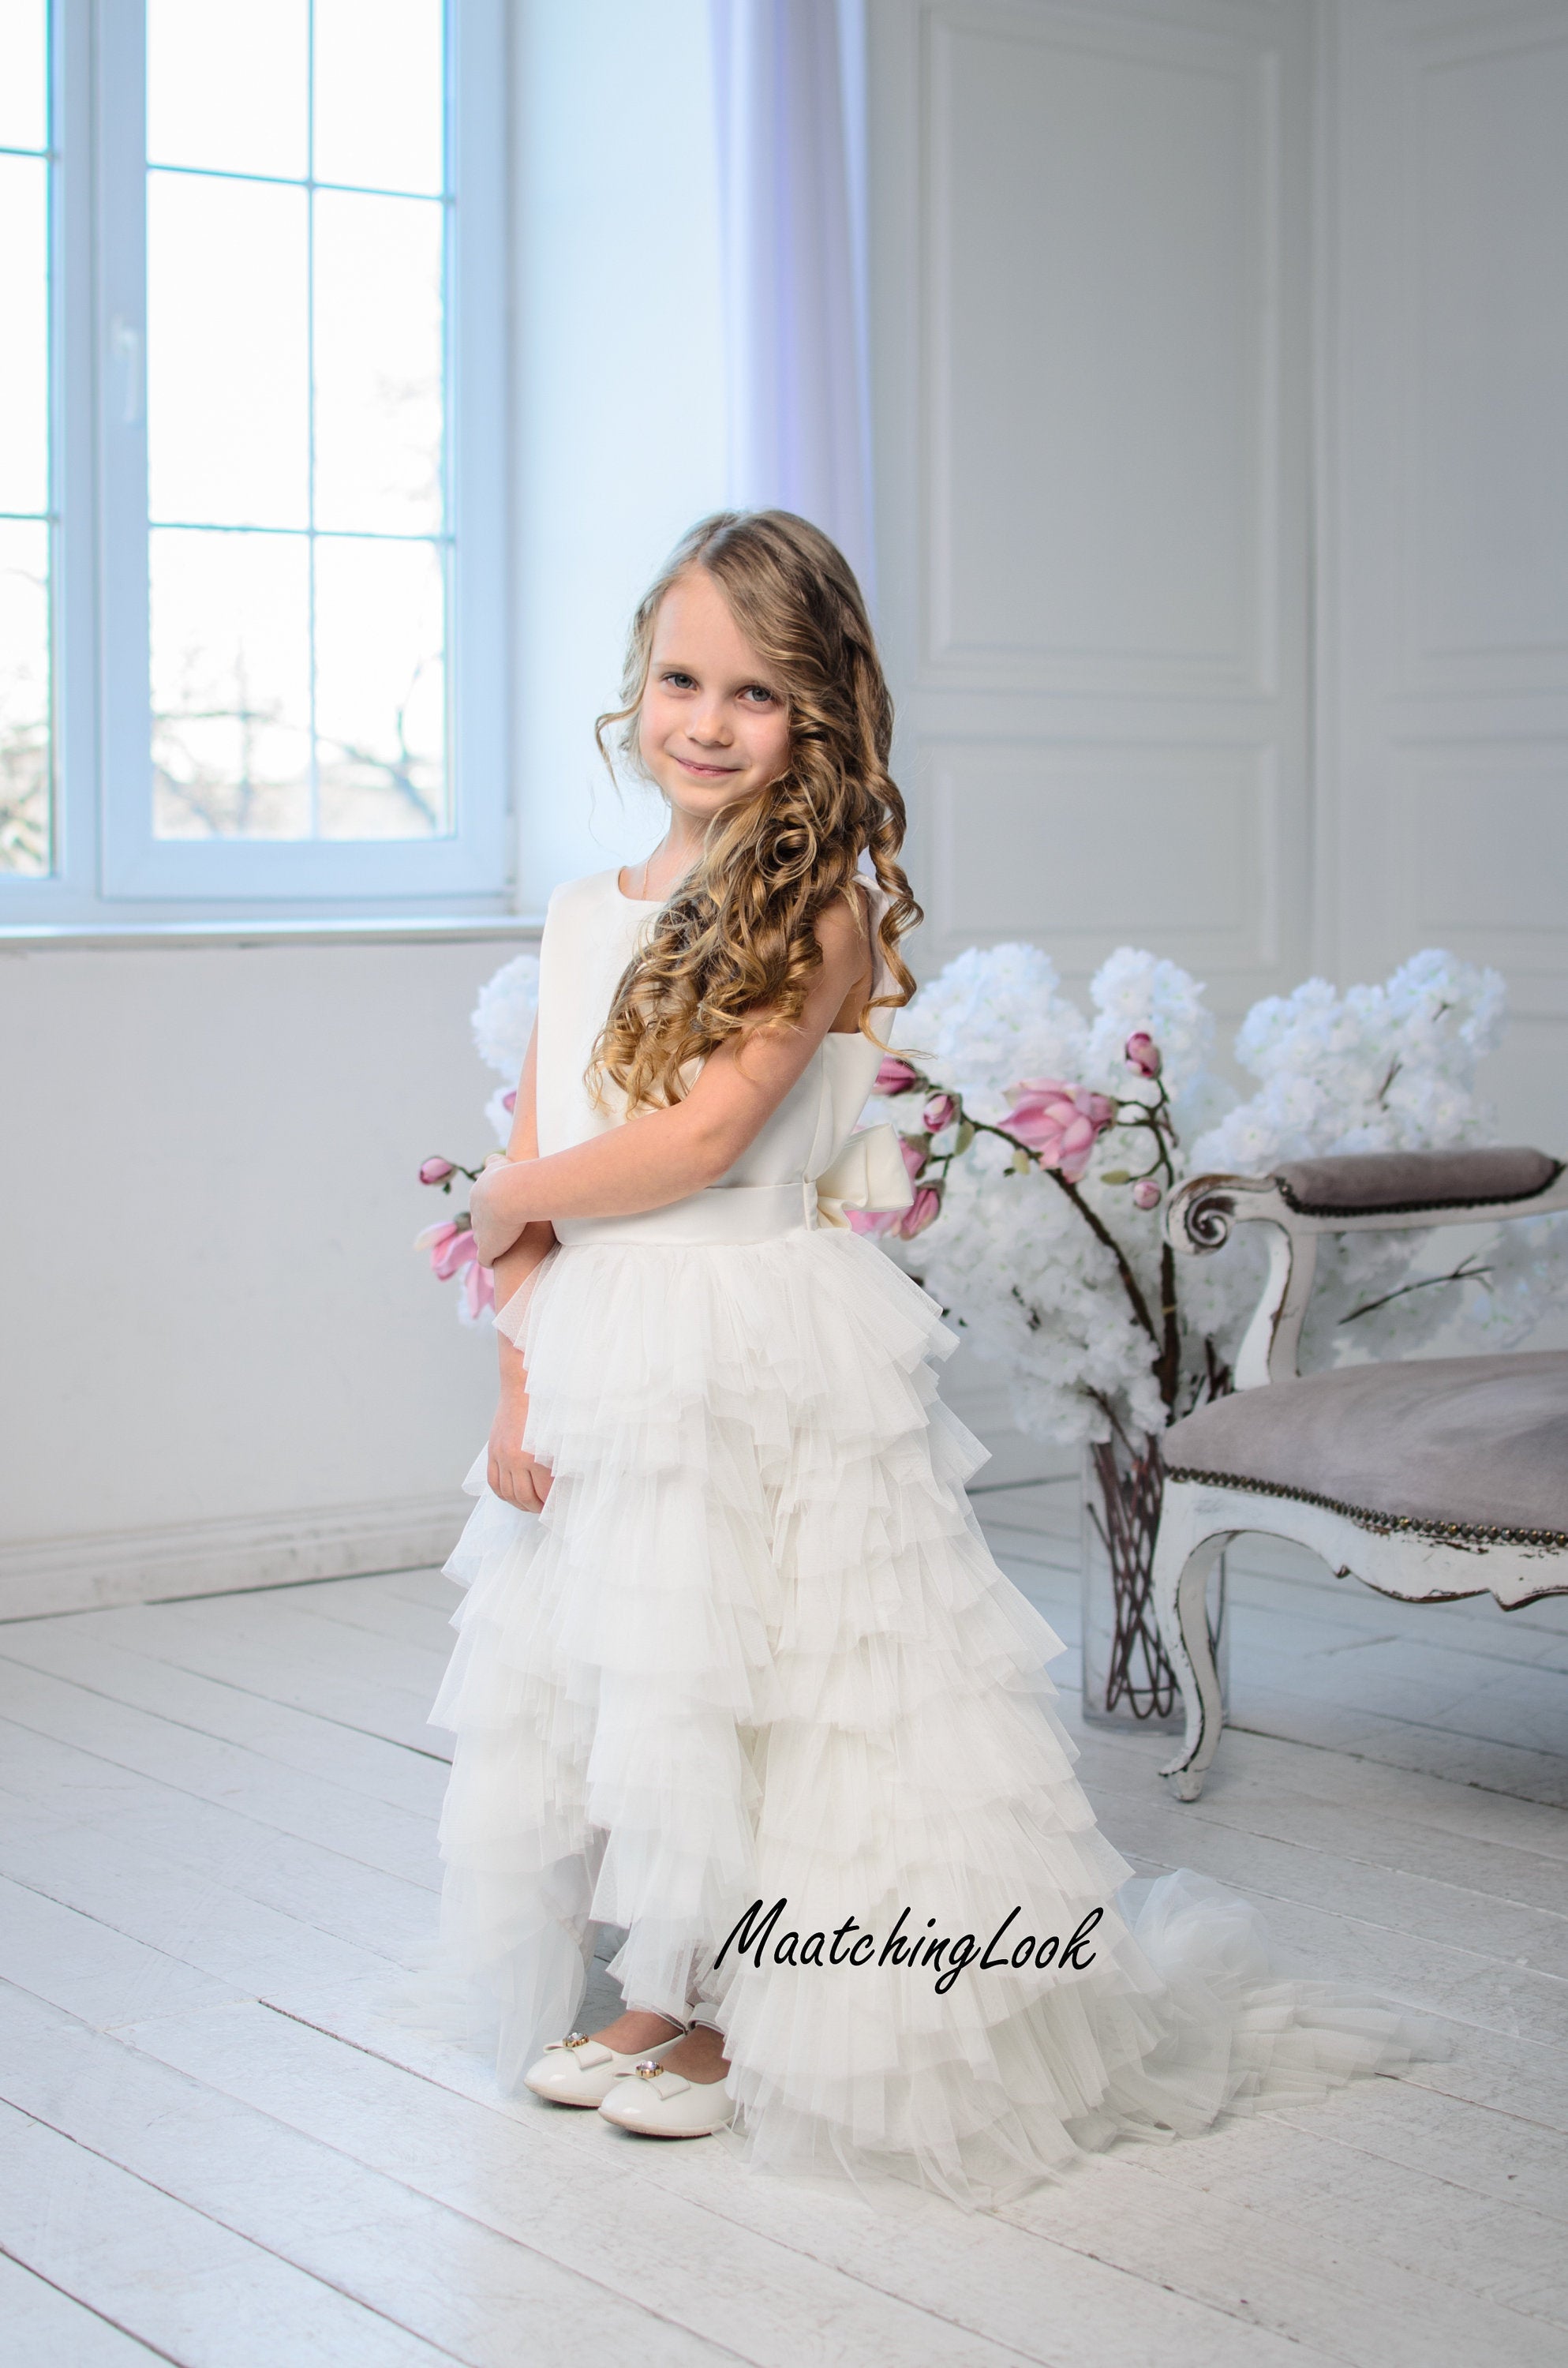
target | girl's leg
[
  {"x": 638, "y": 2028},
  {"x": 699, "y": 2057}
]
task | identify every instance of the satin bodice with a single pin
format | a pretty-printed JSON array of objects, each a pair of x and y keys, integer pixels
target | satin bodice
[{"x": 591, "y": 932}]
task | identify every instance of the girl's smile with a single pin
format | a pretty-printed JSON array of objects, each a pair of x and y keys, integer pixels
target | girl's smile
[{"x": 704, "y": 772}]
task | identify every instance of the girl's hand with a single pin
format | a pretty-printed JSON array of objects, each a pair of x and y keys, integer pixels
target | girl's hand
[
  {"x": 514, "y": 1475},
  {"x": 493, "y": 1233}
]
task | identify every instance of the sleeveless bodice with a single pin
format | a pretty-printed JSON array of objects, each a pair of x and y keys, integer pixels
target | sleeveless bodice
[{"x": 591, "y": 932}]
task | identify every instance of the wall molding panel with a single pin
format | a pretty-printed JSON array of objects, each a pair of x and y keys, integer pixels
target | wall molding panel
[
  {"x": 1107, "y": 825},
  {"x": 1220, "y": 373},
  {"x": 1483, "y": 270},
  {"x": 1470, "y": 811},
  {"x": 1102, "y": 484},
  {"x": 1443, "y": 610},
  {"x": 1092, "y": 228}
]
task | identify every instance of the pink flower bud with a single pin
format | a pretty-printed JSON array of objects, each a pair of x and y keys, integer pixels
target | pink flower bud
[
  {"x": 1145, "y": 1193},
  {"x": 510, "y": 1101},
  {"x": 938, "y": 1112},
  {"x": 896, "y": 1075},
  {"x": 924, "y": 1209},
  {"x": 437, "y": 1171},
  {"x": 1143, "y": 1055},
  {"x": 913, "y": 1154}
]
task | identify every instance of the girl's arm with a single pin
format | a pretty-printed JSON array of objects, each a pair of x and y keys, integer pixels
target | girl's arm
[
  {"x": 515, "y": 1264},
  {"x": 663, "y": 1154},
  {"x": 511, "y": 1472}
]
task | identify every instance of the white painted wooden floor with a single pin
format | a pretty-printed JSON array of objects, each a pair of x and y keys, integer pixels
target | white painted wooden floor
[{"x": 217, "y": 1825}]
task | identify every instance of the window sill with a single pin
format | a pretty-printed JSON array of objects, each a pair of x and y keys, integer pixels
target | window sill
[{"x": 142, "y": 937}]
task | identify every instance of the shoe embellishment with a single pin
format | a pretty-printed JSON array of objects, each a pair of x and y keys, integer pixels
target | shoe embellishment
[
  {"x": 648, "y": 2069},
  {"x": 574, "y": 2039}
]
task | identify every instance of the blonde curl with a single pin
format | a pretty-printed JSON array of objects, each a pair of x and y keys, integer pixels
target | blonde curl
[{"x": 738, "y": 937}]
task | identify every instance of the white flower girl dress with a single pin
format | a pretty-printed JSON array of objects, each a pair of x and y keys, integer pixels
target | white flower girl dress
[{"x": 755, "y": 1649}]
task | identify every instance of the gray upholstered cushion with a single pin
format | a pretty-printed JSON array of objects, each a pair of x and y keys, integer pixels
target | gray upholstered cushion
[
  {"x": 1472, "y": 1443},
  {"x": 1359, "y": 1181}
]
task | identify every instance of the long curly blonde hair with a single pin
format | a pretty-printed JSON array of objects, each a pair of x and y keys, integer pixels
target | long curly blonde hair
[{"x": 738, "y": 934}]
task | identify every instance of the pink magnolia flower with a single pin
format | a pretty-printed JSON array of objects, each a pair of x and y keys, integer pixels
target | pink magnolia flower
[
  {"x": 510, "y": 1101},
  {"x": 923, "y": 1210},
  {"x": 938, "y": 1112},
  {"x": 1145, "y": 1193},
  {"x": 437, "y": 1171},
  {"x": 896, "y": 1076},
  {"x": 454, "y": 1252},
  {"x": 914, "y": 1156},
  {"x": 1060, "y": 1123},
  {"x": 1143, "y": 1053},
  {"x": 452, "y": 1248}
]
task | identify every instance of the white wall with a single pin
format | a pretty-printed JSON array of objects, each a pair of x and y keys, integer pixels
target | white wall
[
  {"x": 1089, "y": 247},
  {"x": 619, "y": 385},
  {"x": 1220, "y": 360},
  {"x": 224, "y": 1362},
  {"x": 1444, "y": 719}
]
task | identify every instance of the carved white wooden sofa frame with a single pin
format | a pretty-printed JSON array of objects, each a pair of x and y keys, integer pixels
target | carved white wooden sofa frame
[{"x": 1200, "y": 1518}]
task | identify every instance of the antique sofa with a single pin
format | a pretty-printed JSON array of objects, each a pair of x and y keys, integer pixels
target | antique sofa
[{"x": 1430, "y": 1479}]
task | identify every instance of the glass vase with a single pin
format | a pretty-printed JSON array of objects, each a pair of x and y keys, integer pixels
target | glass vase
[{"x": 1128, "y": 1679}]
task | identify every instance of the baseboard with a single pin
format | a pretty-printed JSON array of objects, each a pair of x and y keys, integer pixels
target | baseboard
[{"x": 85, "y": 1574}]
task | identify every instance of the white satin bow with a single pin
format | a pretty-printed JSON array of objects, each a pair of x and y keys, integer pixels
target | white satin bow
[{"x": 869, "y": 1173}]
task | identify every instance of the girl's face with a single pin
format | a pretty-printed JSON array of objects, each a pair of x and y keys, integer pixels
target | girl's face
[{"x": 713, "y": 727}]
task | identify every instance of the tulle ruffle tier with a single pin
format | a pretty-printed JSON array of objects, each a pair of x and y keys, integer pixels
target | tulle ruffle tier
[{"x": 755, "y": 1649}]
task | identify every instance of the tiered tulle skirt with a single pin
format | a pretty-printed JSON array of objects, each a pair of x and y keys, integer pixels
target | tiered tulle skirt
[{"x": 755, "y": 1649}]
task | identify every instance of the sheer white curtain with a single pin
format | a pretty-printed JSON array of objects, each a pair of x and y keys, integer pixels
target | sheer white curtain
[{"x": 790, "y": 88}]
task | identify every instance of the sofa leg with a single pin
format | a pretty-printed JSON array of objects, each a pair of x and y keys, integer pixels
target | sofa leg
[{"x": 1183, "y": 1562}]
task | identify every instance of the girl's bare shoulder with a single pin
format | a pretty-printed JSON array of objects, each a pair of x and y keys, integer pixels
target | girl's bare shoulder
[{"x": 843, "y": 927}]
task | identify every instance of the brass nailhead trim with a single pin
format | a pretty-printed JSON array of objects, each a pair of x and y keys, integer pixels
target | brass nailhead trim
[{"x": 1408, "y": 1524}]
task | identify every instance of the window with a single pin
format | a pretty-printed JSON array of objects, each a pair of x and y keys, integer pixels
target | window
[
  {"x": 27, "y": 525},
  {"x": 253, "y": 595}
]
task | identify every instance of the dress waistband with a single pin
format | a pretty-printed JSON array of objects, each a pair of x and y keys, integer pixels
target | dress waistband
[{"x": 722, "y": 1212}]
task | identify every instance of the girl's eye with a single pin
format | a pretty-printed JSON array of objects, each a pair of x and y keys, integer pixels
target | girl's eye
[
  {"x": 759, "y": 692},
  {"x": 674, "y": 681}
]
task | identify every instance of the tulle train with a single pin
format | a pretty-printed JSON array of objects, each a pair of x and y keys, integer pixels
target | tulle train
[{"x": 756, "y": 1650}]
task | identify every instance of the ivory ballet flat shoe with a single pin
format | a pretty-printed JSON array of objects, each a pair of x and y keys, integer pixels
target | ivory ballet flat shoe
[
  {"x": 658, "y": 2104},
  {"x": 578, "y": 2071}
]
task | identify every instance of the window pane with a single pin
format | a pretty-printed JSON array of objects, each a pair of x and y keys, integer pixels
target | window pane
[
  {"x": 23, "y": 74},
  {"x": 231, "y": 685},
  {"x": 379, "y": 94},
  {"x": 226, "y": 85},
  {"x": 296, "y": 399},
  {"x": 379, "y": 689},
  {"x": 228, "y": 403},
  {"x": 25, "y": 759},
  {"x": 24, "y": 341},
  {"x": 377, "y": 298}
]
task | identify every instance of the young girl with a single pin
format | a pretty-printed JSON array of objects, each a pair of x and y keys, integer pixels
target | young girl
[{"x": 736, "y": 1672}]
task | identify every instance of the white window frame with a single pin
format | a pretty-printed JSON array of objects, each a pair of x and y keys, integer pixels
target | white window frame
[{"x": 109, "y": 869}]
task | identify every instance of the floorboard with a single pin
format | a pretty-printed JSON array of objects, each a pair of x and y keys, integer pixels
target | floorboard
[
  {"x": 218, "y": 1851},
  {"x": 182, "y": 2285},
  {"x": 44, "y": 2326}
]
